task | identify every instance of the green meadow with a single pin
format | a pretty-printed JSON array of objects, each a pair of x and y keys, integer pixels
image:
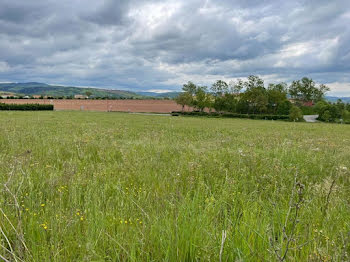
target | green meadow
[{"x": 89, "y": 186}]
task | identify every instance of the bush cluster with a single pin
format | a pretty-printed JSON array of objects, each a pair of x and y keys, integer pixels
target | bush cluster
[
  {"x": 253, "y": 96},
  {"x": 232, "y": 115},
  {"x": 333, "y": 112},
  {"x": 26, "y": 107}
]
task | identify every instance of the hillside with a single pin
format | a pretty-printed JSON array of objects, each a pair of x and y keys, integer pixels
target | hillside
[
  {"x": 160, "y": 95},
  {"x": 335, "y": 98},
  {"x": 34, "y": 88}
]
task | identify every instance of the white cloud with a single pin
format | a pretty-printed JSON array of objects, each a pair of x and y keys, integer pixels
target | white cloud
[
  {"x": 4, "y": 66},
  {"x": 140, "y": 45},
  {"x": 339, "y": 89}
]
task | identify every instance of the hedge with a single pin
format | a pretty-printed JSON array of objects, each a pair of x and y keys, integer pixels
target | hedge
[
  {"x": 232, "y": 115},
  {"x": 26, "y": 107}
]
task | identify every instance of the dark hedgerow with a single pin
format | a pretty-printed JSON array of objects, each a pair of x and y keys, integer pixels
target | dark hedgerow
[
  {"x": 232, "y": 115},
  {"x": 26, "y": 107}
]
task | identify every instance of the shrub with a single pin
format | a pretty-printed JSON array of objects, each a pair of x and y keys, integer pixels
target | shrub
[
  {"x": 308, "y": 110},
  {"x": 232, "y": 115},
  {"x": 26, "y": 107},
  {"x": 346, "y": 116},
  {"x": 296, "y": 114}
]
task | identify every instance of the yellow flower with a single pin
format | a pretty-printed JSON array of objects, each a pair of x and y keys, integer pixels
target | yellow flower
[{"x": 42, "y": 205}]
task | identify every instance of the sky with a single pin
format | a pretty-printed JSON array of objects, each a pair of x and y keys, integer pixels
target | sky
[{"x": 144, "y": 45}]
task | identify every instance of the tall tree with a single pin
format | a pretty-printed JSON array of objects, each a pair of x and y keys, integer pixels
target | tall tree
[
  {"x": 184, "y": 99},
  {"x": 306, "y": 90},
  {"x": 219, "y": 88},
  {"x": 201, "y": 98},
  {"x": 236, "y": 86},
  {"x": 190, "y": 88},
  {"x": 255, "y": 95},
  {"x": 277, "y": 94}
]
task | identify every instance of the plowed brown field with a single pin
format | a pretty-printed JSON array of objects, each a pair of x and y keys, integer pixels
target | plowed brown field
[{"x": 127, "y": 105}]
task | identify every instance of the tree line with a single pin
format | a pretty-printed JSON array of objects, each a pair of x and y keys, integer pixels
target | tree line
[{"x": 251, "y": 96}]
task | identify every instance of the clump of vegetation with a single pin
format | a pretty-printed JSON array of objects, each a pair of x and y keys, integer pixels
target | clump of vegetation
[
  {"x": 26, "y": 107},
  {"x": 333, "y": 112},
  {"x": 296, "y": 115},
  {"x": 252, "y": 97},
  {"x": 88, "y": 186}
]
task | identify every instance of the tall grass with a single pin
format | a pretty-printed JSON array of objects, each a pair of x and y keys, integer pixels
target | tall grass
[{"x": 79, "y": 186}]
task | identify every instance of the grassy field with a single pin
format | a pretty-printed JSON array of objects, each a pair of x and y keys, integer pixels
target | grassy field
[{"x": 85, "y": 186}]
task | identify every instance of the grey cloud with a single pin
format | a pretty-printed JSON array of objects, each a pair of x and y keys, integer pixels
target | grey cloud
[{"x": 141, "y": 44}]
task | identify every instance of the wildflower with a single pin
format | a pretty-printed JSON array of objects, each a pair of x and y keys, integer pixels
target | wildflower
[
  {"x": 344, "y": 168},
  {"x": 42, "y": 205},
  {"x": 81, "y": 218}
]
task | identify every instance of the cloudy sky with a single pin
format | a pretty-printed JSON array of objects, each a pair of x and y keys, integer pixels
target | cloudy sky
[{"x": 159, "y": 44}]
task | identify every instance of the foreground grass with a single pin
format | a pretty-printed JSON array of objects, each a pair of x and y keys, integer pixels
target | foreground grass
[{"x": 79, "y": 186}]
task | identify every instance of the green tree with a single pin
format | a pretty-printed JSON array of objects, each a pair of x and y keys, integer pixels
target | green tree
[
  {"x": 236, "y": 87},
  {"x": 88, "y": 93},
  {"x": 255, "y": 95},
  {"x": 277, "y": 95},
  {"x": 190, "y": 88},
  {"x": 306, "y": 90},
  {"x": 219, "y": 88},
  {"x": 184, "y": 99},
  {"x": 284, "y": 108},
  {"x": 201, "y": 98}
]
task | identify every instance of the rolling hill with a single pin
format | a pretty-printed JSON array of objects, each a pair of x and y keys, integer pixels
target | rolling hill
[
  {"x": 159, "y": 95},
  {"x": 335, "y": 98},
  {"x": 34, "y": 88}
]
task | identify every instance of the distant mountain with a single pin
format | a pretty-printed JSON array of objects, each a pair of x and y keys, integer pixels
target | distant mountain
[
  {"x": 335, "y": 98},
  {"x": 34, "y": 88},
  {"x": 160, "y": 95}
]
